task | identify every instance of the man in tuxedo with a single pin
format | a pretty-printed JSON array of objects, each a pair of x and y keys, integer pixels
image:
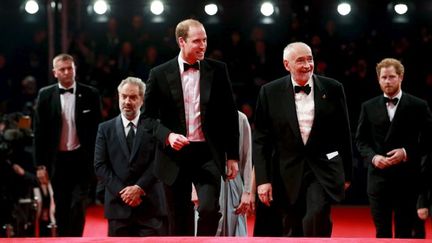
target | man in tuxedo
[
  {"x": 124, "y": 159},
  {"x": 302, "y": 145},
  {"x": 393, "y": 136},
  {"x": 190, "y": 103},
  {"x": 66, "y": 119}
]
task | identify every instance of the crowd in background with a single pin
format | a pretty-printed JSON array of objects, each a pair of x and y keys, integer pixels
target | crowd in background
[{"x": 117, "y": 49}]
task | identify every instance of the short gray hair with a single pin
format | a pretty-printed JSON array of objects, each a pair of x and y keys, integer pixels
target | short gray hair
[
  {"x": 62, "y": 57},
  {"x": 290, "y": 47},
  {"x": 135, "y": 81}
]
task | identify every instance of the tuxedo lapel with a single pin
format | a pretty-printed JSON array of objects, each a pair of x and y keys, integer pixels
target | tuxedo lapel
[
  {"x": 320, "y": 99},
  {"x": 380, "y": 111},
  {"x": 139, "y": 137},
  {"x": 175, "y": 86},
  {"x": 289, "y": 105},
  {"x": 206, "y": 79},
  {"x": 56, "y": 104},
  {"x": 78, "y": 105},
  {"x": 121, "y": 136}
]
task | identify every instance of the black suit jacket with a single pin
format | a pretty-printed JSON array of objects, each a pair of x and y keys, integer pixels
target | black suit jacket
[
  {"x": 164, "y": 108},
  {"x": 48, "y": 124},
  {"x": 409, "y": 129},
  {"x": 117, "y": 168},
  {"x": 279, "y": 152}
]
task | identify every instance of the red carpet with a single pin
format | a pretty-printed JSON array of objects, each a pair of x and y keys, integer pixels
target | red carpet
[
  {"x": 348, "y": 222},
  {"x": 352, "y": 224},
  {"x": 208, "y": 239}
]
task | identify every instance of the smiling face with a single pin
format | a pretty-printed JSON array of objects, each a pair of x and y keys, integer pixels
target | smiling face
[
  {"x": 193, "y": 46},
  {"x": 298, "y": 60},
  {"x": 390, "y": 82}
]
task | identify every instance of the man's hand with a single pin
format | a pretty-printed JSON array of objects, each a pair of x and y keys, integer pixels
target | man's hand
[
  {"x": 381, "y": 162},
  {"x": 177, "y": 141},
  {"x": 265, "y": 193},
  {"x": 131, "y": 195},
  {"x": 395, "y": 156},
  {"x": 232, "y": 169},
  {"x": 423, "y": 213},
  {"x": 347, "y": 184},
  {"x": 18, "y": 169}
]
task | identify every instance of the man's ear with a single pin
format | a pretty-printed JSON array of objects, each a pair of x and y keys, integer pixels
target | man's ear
[
  {"x": 285, "y": 63},
  {"x": 181, "y": 41}
]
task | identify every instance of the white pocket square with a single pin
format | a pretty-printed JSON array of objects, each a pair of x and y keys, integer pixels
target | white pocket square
[
  {"x": 86, "y": 111},
  {"x": 332, "y": 155}
]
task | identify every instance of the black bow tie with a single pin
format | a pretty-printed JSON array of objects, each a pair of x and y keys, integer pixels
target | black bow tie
[
  {"x": 306, "y": 89},
  {"x": 194, "y": 66},
  {"x": 62, "y": 91},
  {"x": 394, "y": 100}
]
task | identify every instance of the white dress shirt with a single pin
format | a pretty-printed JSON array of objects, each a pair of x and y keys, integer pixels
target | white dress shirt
[
  {"x": 68, "y": 139},
  {"x": 391, "y": 108},
  {"x": 125, "y": 122},
  {"x": 305, "y": 108},
  {"x": 191, "y": 97}
]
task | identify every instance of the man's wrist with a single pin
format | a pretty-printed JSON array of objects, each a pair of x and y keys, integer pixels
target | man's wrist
[
  {"x": 374, "y": 159},
  {"x": 405, "y": 157},
  {"x": 141, "y": 191},
  {"x": 167, "y": 139}
]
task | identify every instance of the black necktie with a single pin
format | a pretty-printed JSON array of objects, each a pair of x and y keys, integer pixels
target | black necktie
[
  {"x": 62, "y": 91},
  {"x": 306, "y": 89},
  {"x": 194, "y": 66},
  {"x": 394, "y": 100},
  {"x": 130, "y": 136}
]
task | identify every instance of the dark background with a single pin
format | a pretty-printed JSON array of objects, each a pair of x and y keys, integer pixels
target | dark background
[{"x": 348, "y": 51}]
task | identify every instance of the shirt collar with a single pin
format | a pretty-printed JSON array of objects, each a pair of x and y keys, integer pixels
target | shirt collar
[
  {"x": 294, "y": 83},
  {"x": 399, "y": 95},
  {"x": 125, "y": 121},
  {"x": 71, "y": 87},
  {"x": 181, "y": 61}
]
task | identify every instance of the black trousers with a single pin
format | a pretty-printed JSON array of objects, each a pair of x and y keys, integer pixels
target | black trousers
[
  {"x": 394, "y": 205},
  {"x": 268, "y": 222},
  {"x": 71, "y": 182},
  {"x": 198, "y": 167},
  {"x": 310, "y": 215}
]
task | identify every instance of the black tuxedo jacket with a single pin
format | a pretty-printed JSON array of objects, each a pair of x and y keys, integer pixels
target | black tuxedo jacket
[
  {"x": 409, "y": 129},
  {"x": 164, "y": 108},
  {"x": 279, "y": 152},
  {"x": 117, "y": 168},
  {"x": 48, "y": 124}
]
